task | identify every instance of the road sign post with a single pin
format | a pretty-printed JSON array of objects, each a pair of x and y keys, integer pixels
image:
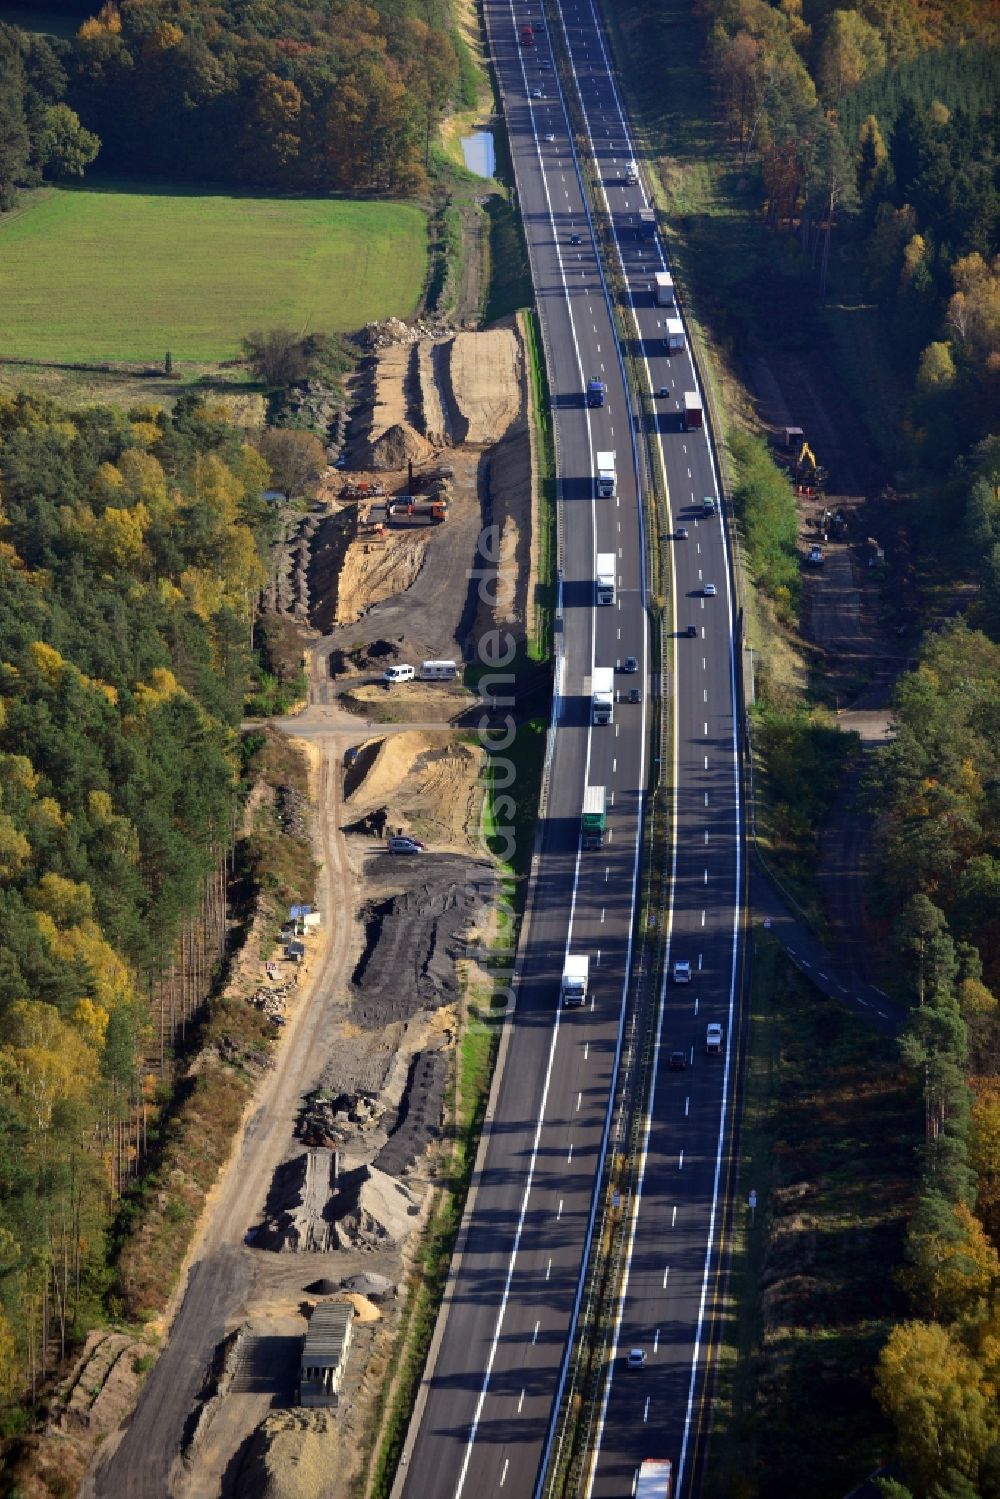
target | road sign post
[{"x": 752, "y": 1204}]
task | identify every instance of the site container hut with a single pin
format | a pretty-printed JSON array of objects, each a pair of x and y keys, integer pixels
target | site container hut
[
  {"x": 324, "y": 1353},
  {"x": 438, "y": 671}
]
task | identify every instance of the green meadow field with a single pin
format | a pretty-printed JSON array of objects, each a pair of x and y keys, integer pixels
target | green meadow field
[{"x": 117, "y": 274}]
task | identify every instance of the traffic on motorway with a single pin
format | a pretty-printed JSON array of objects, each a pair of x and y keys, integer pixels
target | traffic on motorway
[{"x": 486, "y": 1416}]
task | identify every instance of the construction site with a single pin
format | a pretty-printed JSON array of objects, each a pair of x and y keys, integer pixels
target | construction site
[{"x": 334, "y": 1174}]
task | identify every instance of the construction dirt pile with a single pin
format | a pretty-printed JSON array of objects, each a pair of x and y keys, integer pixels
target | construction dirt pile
[
  {"x": 395, "y": 447},
  {"x": 427, "y": 783},
  {"x": 413, "y": 939},
  {"x": 293, "y": 1455},
  {"x": 372, "y": 572},
  {"x": 486, "y": 375}
]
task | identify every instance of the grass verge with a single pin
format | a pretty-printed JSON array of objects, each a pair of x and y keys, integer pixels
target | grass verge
[
  {"x": 542, "y": 606},
  {"x": 203, "y": 269},
  {"x": 827, "y": 1144}
]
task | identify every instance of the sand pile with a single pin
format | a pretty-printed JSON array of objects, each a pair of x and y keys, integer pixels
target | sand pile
[
  {"x": 398, "y": 445},
  {"x": 372, "y": 571},
  {"x": 420, "y": 781},
  {"x": 485, "y": 380},
  {"x": 293, "y": 1455}
]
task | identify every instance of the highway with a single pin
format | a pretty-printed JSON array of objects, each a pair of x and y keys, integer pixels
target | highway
[
  {"x": 484, "y": 1418},
  {"x": 668, "y": 1302}
]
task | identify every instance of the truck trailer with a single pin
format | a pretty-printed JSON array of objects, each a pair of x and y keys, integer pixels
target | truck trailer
[
  {"x": 595, "y": 391},
  {"x": 646, "y": 228},
  {"x": 605, "y": 577},
  {"x": 595, "y": 803},
  {"x": 606, "y": 474},
  {"x": 576, "y": 972},
  {"x": 693, "y": 415},
  {"x": 656, "y": 1479},
  {"x": 664, "y": 287},
  {"x": 603, "y": 685},
  {"x": 675, "y": 335}
]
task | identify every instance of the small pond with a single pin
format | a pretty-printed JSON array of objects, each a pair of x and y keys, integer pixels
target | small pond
[{"x": 478, "y": 152}]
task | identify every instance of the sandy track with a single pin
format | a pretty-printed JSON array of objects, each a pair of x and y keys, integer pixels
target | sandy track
[{"x": 145, "y": 1463}]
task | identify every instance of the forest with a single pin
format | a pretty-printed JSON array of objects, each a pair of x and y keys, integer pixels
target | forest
[
  {"x": 130, "y": 551},
  {"x": 334, "y": 97},
  {"x": 872, "y": 134}
]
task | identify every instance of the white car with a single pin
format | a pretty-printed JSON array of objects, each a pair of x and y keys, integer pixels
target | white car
[
  {"x": 682, "y": 971},
  {"x": 709, "y": 590},
  {"x": 713, "y": 1040},
  {"x": 549, "y": 136},
  {"x": 536, "y": 93},
  {"x": 636, "y": 1358}
]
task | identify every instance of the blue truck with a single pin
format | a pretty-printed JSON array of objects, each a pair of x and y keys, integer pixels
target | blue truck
[{"x": 595, "y": 391}]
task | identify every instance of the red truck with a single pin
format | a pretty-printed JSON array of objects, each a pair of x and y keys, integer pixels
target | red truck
[{"x": 527, "y": 35}]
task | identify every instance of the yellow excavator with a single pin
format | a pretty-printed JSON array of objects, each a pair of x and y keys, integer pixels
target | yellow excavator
[{"x": 806, "y": 471}]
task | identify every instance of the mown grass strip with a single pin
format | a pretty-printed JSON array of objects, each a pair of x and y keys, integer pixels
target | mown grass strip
[{"x": 541, "y": 608}]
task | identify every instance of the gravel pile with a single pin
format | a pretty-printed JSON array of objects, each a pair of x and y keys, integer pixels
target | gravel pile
[{"x": 394, "y": 331}]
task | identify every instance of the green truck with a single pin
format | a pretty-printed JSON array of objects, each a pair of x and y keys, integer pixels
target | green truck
[{"x": 594, "y": 810}]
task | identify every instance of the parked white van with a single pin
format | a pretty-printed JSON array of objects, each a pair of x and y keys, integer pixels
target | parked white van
[
  {"x": 438, "y": 671},
  {"x": 398, "y": 674}
]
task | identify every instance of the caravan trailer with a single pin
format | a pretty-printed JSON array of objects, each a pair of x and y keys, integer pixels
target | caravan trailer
[{"x": 438, "y": 671}]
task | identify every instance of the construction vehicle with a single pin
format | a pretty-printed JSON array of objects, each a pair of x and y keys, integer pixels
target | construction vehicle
[
  {"x": 596, "y": 391},
  {"x": 606, "y": 474},
  {"x": 806, "y": 472},
  {"x": 595, "y": 802},
  {"x": 418, "y": 512}
]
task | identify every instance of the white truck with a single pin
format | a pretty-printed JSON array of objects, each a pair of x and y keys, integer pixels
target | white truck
[
  {"x": 656, "y": 1479},
  {"x": 576, "y": 972},
  {"x": 664, "y": 287},
  {"x": 605, "y": 577},
  {"x": 675, "y": 335},
  {"x": 603, "y": 694},
  {"x": 606, "y": 474},
  {"x": 632, "y": 173}
]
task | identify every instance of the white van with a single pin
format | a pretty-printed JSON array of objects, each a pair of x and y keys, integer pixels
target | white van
[
  {"x": 632, "y": 173},
  {"x": 438, "y": 671},
  {"x": 398, "y": 674}
]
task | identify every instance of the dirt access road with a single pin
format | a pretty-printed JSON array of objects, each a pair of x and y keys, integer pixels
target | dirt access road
[{"x": 145, "y": 1463}]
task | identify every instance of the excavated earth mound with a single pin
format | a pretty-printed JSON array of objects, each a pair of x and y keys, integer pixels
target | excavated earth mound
[
  {"x": 413, "y": 939},
  {"x": 398, "y": 445}
]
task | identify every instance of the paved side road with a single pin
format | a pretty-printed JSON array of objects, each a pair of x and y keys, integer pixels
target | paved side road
[{"x": 809, "y": 955}]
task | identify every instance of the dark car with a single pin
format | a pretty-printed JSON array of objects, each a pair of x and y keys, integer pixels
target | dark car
[
  {"x": 576, "y": 239},
  {"x": 692, "y": 632},
  {"x": 634, "y": 695},
  {"x": 681, "y": 533},
  {"x": 631, "y": 664},
  {"x": 678, "y": 1061}
]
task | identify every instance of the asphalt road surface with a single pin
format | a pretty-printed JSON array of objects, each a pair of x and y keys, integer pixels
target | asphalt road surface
[
  {"x": 494, "y": 1379},
  {"x": 668, "y": 1305},
  {"x": 496, "y": 1373}
]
